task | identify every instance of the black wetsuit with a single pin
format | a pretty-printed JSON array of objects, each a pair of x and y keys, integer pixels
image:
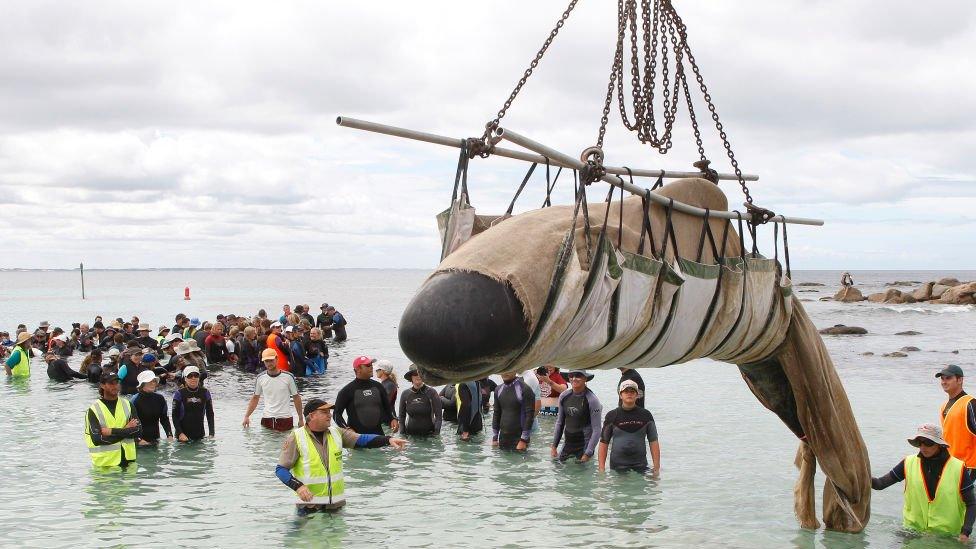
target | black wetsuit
[
  {"x": 324, "y": 322},
  {"x": 339, "y": 327},
  {"x": 513, "y": 416},
  {"x": 118, "y": 435},
  {"x": 58, "y": 370},
  {"x": 151, "y": 410},
  {"x": 189, "y": 409},
  {"x": 148, "y": 341},
  {"x": 448, "y": 404},
  {"x": 636, "y": 378},
  {"x": 487, "y": 386},
  {"x": 249, "y": 354},
  {"x": 420, "y": 411},
  {"x": 469, "y": 414},
  {"x": 577, "y": 417},
  {"x": 366, "y": 406},
  {"x": 931, "y": 472},
  {"x": 631, "y": 431}
]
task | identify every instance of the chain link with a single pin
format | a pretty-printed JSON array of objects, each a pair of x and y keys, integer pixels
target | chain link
[{"x": 493, "y": 124}]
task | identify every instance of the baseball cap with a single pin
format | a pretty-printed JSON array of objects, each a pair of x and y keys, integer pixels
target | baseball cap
[
  {"x": 385, "y": 365},
  {"x": 145, "y": 377},
  {"x": 324, "y": 306},
  {"x": 108, "y": 377},
  {"x": 950, "y": 370},
  {"x": 190, "y": 370},
  {"x": 114, "y": 351},
  {"x": 268, "y": 354},
  {"x": 194, "y": 321},
  {"x": 276, "y": 324},
  {"x": 628, "y": 384},
  {"x": 148, "y": 357},
  {"x": 289, "y": 329},
  {"x": 315, "y": 404},
  {"x": 362, "y": 361},
  {"x": 930, "y": 431}
]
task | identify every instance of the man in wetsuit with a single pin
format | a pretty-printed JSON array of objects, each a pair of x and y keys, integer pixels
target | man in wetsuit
[
  {"x": 578, "y": 420},
  {"x": 111, "y": 429},
  {"x": 338, "y": 324},
  {"x": 58, "y": 369},
  {"x": 633, "y": 375},
  {"x": 467, "y": 401},
  {"x": 939, "y": 494},
  {"x": 628, "y": 426},
  {"x": 514, "y": 413},
  {"x": 364, "y": 401},
  {"x": 311, "y": 458},
  {"x": 449, "y": 403},
  {"x": 324, "y": 321},
  {"x": 420, "y": 407},
  {"x": 958, "y": 416}
]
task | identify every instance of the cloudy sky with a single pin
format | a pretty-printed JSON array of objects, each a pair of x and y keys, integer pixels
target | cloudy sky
[{"x": 135, "y": 134}]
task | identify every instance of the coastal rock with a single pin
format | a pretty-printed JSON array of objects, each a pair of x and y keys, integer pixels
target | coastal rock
[
  {"x": 808, "y": 291},
  {"x": 868, "y": 353},
  {"x": 924, "y": 292},
  {"x": 938, "y": 290},
  {"x": 810, "y": 284},
  {"x": 849, "y": 294},
  {"x": 909, "y": 349},
  {"x": 826, "y": 299},
  {"x": 896, "y": 354},
  {"x": 891, "y": 296},
  {"x": 840, "y": 329},
  {"x": 962, "y": 294},
  {"x": 956, "y": 352},
  {"x": 909, "y": 333},
  {"x": 807, "y": 300},
  {"x": 949, "y": 281},
  {"x": 903, "y": 283}
]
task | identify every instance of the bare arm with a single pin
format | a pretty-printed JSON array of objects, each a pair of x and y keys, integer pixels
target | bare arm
[
  {"x": 656, "y": 456},
  {"x": 602, "y": 456},
  {"x": 251, "y": 405},
  {"x": 297, "y": 399}
]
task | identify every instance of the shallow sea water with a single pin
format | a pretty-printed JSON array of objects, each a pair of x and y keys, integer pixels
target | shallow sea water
[{"x": 727, "y": 462}]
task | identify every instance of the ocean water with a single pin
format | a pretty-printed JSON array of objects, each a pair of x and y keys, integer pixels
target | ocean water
[{"x": 727, "y": 473}]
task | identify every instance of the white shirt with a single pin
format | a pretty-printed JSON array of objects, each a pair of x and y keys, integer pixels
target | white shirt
[{"x": 277, "y": 392}]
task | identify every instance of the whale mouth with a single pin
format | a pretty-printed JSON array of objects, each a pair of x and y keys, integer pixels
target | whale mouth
[{"x": 462, "y": 326}]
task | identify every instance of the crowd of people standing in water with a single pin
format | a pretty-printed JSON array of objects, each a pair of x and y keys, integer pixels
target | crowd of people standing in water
[{"x": 129, "y": 361}]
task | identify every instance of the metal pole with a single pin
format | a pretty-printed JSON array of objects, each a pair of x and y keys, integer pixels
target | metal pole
[
  {"x": 569, "y": 161},
  {"x": 82, "y": 268},
  {"x": 395, "y": 131}
]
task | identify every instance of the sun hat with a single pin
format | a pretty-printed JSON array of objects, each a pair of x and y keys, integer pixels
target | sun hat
[
  {"x": 628, "y": 384},
  {"x": 315, "y": 404},
  {"x": 108, "y": 376},
  {"x": 268, "y": 354},
  {"x": 192, "y": 343},
  {"x": 362, "y": 361},
  {"x": 145, "y": 377},
  {"x": 116, "y": 325},
  {"x": 44, "y": 324},
  {"x": 189, "y": 370},
  {"x": 410, "y": 373},
  {"x": 24, "y": 336},
  {"x": 171, "y": 338},
  {"x": 163, "y": 329},
  {"x": 114, "y": 351},
  {"x": 183, "y": 348},
  {"x": 385, "y": 365},
  {"x": 581, "y": 373},
  {"x": 143, "y": 327},
  {"x": 950, "y": 370},
  {"x": 930, "y": 431},
  {"x": 194, "y": 321}
]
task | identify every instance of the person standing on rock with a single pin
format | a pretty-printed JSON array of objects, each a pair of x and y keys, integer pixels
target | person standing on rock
[
  {"x": 846, "y": 280},
  {"x": 958, "y": 416}
]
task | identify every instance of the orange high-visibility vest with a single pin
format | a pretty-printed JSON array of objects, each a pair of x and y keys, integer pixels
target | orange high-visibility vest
[
  {"x": 282, "y": 357},
  {"x": 955, "y": 430}
]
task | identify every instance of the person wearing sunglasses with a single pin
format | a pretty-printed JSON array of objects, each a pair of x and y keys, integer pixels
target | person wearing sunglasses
[
  {"x": 958, "y": 416},
  {"x": 111, "y": 428},
  {"x": 939, "y": 494}
]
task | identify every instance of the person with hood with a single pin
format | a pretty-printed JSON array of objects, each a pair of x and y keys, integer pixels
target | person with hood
[
  {"x": 939, "y": 495},
  {"x": 420, "y": 407},
  {"x": 514, "y": 413},
  {"x": 58, "y": 369},
  {"x": 150, "y": 408},
  {"x": 18, "y": 362},
  {"x": 579, "y": 419}
]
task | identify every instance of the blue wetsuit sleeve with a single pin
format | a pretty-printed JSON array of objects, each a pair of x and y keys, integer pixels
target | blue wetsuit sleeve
[
  {"x": 286, "y": 478},
  {"x": 123, "y": 371},
  {"x": 372, "y": 441},
  {"x": 896, "y": 475}
]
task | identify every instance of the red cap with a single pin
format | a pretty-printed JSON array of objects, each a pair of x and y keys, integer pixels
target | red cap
[{"x": 362, "y": 361}]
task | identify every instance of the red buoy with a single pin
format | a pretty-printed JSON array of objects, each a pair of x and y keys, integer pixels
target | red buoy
[{"x": 186, "y": 294}]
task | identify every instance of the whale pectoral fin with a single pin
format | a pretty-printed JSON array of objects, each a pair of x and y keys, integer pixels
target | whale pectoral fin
[{"x": 769, "y": 383}]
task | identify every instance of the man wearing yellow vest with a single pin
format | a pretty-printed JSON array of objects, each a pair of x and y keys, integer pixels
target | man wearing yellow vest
[
  {"x": 939, "y": 494},
  {"x": 958, "y": 416},
  {"x": 311, "y": 458},
  {"x": 110, "y": 428},
  {"x": 18, "y": 363}
]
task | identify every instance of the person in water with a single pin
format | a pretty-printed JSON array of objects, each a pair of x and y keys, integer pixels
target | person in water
[
  {"x": 132, "y": 366},
  {"x": 551, "y": 385},
  {"x": 514, "y": 413},
  {"x": 191, "y": 403},
  {"x": 58, "y": 369},
  {"x": 449, "y": 403},
  {"x": 281, "y": 347},
  {"x": 364, "y": 401},
  {"x": 215, "y": 345},
  {"x": 151, "y": 410},
  {"x": 388, "y": 378},
  {"x": 958, "y": 416},
  {"x": 420, "y": 407},
  {"x": 299, "y": 361},
  {"x": 338, "y": 324},
  {"x": 280, "y": 393},
  {"x": 316, "y": 351},
  {"x": 310, "y": 462},
  {"x": 578, "y": 420},
  {"x": 110, "y": 428},
  {"x": 939, "y": 494},
  {"x": 18, "y": 362},
  {"x": 91, "y": 366},
  {"x": 467, "y": 401},
  {"x": 624, "y": 431},
  {"x": 146, "y": 340},
  {"x": 324, "y": 321},
  {"x": 633, "y": 375}
]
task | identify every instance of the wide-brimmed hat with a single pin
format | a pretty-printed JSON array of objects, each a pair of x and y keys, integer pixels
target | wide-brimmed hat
[
  {"x": 930, "y": 431},
  {"x": 114, "y": 351},
  {"x": 116, "y": 325},
  {"x": 572, "y": 373},
  {"x": 143, "y": 327},
  {"x": 44, "y": 324},
  {"x": 183, "y": 348},
  {"x": 163, "y": 329},
  {"x": 24, "y": 336},
  {"x": 174, "y": 336},
  {"x": 193, "y": 345},
  {"x": 410, "y": 373},
  {"x": 194, "y": 321}
]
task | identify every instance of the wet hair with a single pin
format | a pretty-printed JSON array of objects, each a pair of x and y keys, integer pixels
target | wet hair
[
  {"x": 180, "y": 317},
  {"x": 118, "y": 338}
]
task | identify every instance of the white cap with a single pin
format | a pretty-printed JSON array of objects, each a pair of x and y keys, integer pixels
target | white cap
[
  {"x": 276, "y": 324},
  {"x": 190, "y": 370},
  {"x": 289, "y": 329},
  {"x": 145, "y": 377},
  {"x": 114, "y": 351},
  {"x": 383, "y": 364},
  {"x": 628, "y": 384},
  {"x": 171, "y": 338}
]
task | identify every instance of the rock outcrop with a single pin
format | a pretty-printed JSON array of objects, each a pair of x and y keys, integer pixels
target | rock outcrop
[
  {"x": 961, "y": 294},
  {"x": 840, "y": 329},
  {"x": 891, "y": 296},
  {"x": 809, "y": 284},
  {"x": 949, "y": 281},
  {"x": 849, "y": 294},
  {"x": 896, "y": 354},
  {"x": 908, "y": 333}
]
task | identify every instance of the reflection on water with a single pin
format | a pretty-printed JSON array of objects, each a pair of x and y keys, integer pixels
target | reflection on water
[{"x": 727, "y": 463}]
